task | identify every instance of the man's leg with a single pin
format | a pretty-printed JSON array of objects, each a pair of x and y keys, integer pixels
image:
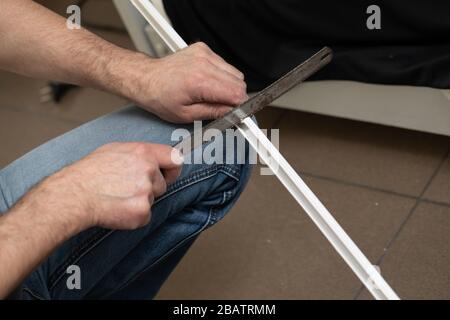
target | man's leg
[{"x": 124, "y": 264}]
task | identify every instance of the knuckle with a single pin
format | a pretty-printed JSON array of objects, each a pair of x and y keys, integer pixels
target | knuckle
[
  {"x": 137, "y": 162},
  {"x": 200, "y": 53},
  {"x": 240, "y": 94},
  {"x": 201, "y": 60},
  {"x": 143, "y": 206},
  {"x": 140, "y": 221},
  {"x": 197, "y": 81},
  {"x": 163, "y": 188},
  {"x": 217, "y": 113},
  {"x": 145, "y": 219},
  {"x": 196, "y": 77},
  {"x": 151, "y": 169},
  {"x": 147, "y": 187},
  {"x": 140, "y": 216},
  {"x": 201, "y": 45},
  {"x": 139, "y": 149},
  {"x": 213, "y": 113}
]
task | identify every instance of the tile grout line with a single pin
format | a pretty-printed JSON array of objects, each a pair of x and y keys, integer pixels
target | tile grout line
[
  {"x": 418, "y": 201},
  {"x": 374, "y": 189},
  {"x": 358, "y": 185},
  {"x": 437, "y": 203},
  {"x": 411, "y": 212}
]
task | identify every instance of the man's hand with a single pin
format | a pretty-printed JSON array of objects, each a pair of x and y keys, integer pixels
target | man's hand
[
  {"x": 115, "y": 186},
  {"x": 192, "y": 84}
]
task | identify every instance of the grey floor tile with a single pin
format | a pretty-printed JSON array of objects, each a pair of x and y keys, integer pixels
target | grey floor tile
[
  {"x": 18, "y": 92},
  {"x": 439, "y": 190},
  {"x": 393, "y": 159},
  {"x": 83, "y": 104},
  {"x": 20, "y": 132},
  {"x": 96, "y": 13},
  {"x": 80, "y": 104},
  {"x": 22, "y": 93},
  {"x": 99, "y": 12},
  {"x": 417, "y": 265},
  {"x": 103, "y": 13},
  {"x": 267, "y": 248}
]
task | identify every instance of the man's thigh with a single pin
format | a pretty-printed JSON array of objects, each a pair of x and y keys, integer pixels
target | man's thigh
[{"x": 184, "y": 210}]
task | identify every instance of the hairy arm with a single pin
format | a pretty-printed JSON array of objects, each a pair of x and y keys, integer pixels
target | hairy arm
[
  {"x": 36, "y": 42},
  {"x": 192, "y": 84},
  {"x": 30, "y": 232}
]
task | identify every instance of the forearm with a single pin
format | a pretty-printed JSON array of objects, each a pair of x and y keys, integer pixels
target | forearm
[
  {"x": 36, "y": 42},
  {"x": 31, "y": 230},
  {"x": 112, "y": 188}
]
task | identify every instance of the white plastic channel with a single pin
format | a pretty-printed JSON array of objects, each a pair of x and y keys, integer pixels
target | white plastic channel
[{"x": 344, "y": 245}]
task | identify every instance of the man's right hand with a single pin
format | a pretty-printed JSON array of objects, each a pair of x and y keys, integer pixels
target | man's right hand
[
  {"x": 115, "y": 186},
  {"x": 192, "y": 84}
]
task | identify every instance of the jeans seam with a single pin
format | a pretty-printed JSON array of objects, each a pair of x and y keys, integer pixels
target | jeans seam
[
  {"x": 34, "y": 294},
  {"x": 225, "y": 197},
  {"x": 95, "y": 239},
  {"x": 197, "y": 177}
]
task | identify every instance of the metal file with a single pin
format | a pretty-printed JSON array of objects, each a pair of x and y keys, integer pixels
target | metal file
[{"x": 261, "y": 99}]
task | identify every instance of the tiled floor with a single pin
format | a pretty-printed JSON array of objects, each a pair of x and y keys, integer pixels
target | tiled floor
[{"x": 389, "y": 188}]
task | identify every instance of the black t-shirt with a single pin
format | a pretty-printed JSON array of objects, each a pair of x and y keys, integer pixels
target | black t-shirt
[{"x": 267, "y": 38}]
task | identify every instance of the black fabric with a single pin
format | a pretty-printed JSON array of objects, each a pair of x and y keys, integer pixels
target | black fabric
[{"x": 267, "y": 38}]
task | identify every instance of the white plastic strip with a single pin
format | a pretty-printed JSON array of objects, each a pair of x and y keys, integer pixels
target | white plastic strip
[
  {"x": 161, "y": 26},
  {"x": 344, "y": 245},
  {"x": 365, "y": 271}
]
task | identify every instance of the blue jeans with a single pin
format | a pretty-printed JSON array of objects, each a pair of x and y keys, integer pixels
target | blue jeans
[{"x": 123, "y": 264}]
